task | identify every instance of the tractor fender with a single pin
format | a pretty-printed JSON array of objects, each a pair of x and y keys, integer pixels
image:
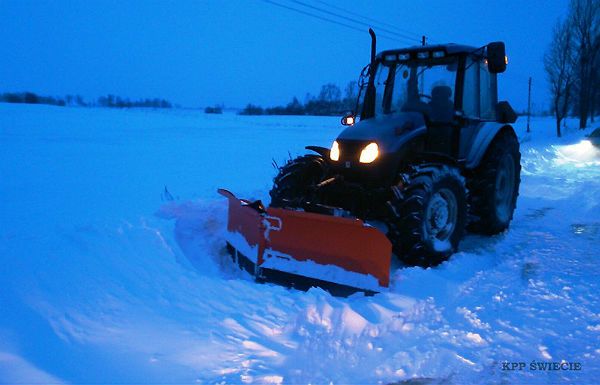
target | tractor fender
[
  {"x": 324, "y": 152},
  {"x": 484, "y": 137}
]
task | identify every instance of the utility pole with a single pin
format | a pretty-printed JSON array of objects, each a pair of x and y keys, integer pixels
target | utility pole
[
  {"x": 529, "y": 106},
  {"x": 422, "y": 80}
]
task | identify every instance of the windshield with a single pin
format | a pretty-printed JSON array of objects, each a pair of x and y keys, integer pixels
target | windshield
[{"x": 426, "y": 87}]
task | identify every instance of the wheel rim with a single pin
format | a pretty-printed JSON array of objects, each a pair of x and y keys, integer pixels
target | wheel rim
[
  {"x": 441, "y": 214},
  {"x": 505, "y": 187}
]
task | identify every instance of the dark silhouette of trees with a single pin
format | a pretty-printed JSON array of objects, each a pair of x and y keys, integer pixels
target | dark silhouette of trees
[
  {"x": 217, "y": 109},
  {"x": 329, "y": 102},
  {"x": 559, "y": 63},
  {"x": 30, "y": 98},
  {"x": 350, "y": 96},
  {"x": 79, "y": 101},
  {"x": 251, "y": 109},
  {"x": 572, "y": 62},
  {"x": 112, "y": 101},
  {"x": 294, "y": 107},
  {"x": 584, "y": 15}
]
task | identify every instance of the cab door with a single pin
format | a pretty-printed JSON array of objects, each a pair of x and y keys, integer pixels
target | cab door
[{"x": 479, "y": 99}]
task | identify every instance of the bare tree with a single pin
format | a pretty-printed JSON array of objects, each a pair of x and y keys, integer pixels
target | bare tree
[
  {"x": 559, "y": 62},
  {"x": 594, "y": 71},
  {"x": 330, "y": 92},
  {"x": 585, "y": 19},
  {"x": 350, "y": 95},
  {"x": 596, "y": 97}
]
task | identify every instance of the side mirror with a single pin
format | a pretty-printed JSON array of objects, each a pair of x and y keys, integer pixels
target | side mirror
[
  {"x": 505, "y": 113},
  {"x": 496, "y": 56},
  {"x": 349, "y": 119}
]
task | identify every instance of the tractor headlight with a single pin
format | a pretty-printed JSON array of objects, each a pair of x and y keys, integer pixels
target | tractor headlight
[
  {"x": 369, "y": 153},
  {"x": 334, "y": 154}
]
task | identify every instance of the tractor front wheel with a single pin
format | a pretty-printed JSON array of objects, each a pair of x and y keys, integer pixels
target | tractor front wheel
[
  {"x": 292, "y": 185},
  {"x": 430, "y": 210}
]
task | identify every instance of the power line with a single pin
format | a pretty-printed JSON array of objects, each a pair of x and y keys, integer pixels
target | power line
[
  {"x": 404, "y": 36},
  {"x": 369, "y": 18},
  {"x": 327, "y": 19}
]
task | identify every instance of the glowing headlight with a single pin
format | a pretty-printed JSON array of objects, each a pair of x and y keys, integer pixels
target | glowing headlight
[
  {"x": 334, "y": 154},
  {"x": 369, "y": 153}
]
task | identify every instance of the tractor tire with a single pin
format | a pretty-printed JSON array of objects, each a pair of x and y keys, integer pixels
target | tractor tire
[
  {"x": 494, "y": 186},
  {"x": 431, "y": 209},
  {"x": 292, "y": 185}
]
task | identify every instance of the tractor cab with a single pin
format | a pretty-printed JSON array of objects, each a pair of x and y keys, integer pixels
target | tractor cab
[
  {"x": 439, "y": 81},
  {"x": 443, "y": 93}
]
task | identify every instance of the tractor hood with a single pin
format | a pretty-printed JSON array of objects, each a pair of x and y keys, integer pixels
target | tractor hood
[{"x": 388, "y": 131}]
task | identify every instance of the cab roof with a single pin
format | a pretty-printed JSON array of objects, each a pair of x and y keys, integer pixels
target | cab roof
[{"x": 448, "y": 49}]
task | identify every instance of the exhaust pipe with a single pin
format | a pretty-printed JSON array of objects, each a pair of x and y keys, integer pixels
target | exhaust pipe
[
  {"x": 373, "y": 44},
  {"x": 369, "y": 101}
]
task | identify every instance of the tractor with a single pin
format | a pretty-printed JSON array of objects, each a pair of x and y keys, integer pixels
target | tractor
[{"x": 428, "y": 153}]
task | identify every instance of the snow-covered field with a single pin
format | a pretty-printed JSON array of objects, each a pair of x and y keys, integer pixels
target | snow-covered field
[{"x": 102, "y": 282}]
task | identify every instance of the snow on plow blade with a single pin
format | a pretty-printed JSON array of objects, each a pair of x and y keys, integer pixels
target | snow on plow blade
[{"x": 300, "y": 249}]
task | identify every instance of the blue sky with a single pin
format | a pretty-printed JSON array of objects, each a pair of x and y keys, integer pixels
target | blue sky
[{"x": 197, "y": 53}]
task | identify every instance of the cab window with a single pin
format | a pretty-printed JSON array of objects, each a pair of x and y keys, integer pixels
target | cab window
[
  {"x": 470, "y": 91},
  {"x": 480, "y": 90},
  {"x": 488, "y": 94}
]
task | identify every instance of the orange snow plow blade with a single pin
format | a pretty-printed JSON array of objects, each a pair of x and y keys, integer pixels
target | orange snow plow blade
[{"x": 301, "y": 249}]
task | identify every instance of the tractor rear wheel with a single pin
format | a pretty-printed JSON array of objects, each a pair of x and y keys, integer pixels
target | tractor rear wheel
[
  {"x": 431, "y": 214},
  {"x": 292, "y": 185},
  {"x": 494, "y": 186}
]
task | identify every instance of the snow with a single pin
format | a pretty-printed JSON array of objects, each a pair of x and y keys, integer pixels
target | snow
[
  {"x": 240, "y": 243},
  {"x": 102, "y": 282},
  {"x": 283, "y": 262}
]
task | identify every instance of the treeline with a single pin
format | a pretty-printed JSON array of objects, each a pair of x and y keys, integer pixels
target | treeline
[
  {"x": 572, "y": 63},
  {"x": 216, "y": 109},
  {"x": 329, "y": 101},
  {"x": 30, "y": 98},
  {"x": 110, "y": 101}
]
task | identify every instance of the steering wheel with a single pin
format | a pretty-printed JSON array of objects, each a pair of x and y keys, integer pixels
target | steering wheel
[{"x": 425, "y": 96}]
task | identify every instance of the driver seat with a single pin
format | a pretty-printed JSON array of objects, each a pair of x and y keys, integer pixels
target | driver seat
[
  {"x": 441, "y": 106},
  {"x": 441, "y": 131}
]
